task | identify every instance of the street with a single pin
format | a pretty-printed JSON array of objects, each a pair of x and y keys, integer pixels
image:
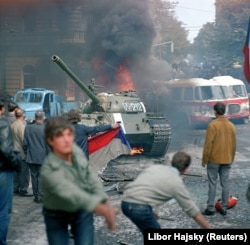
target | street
[{"x": 27, "y": 226}]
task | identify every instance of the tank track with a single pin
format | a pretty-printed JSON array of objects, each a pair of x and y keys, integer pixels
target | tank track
[{"x": 161, "y": 140}]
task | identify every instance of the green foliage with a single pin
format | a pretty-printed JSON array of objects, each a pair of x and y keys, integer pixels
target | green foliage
[
  {"x": 221, "y": 43},
  {"x": 169, "y": 29}
]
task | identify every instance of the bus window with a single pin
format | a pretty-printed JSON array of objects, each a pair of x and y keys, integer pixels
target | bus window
[
  {"x": 176, "y": 93},
  {"x": 238, "y": 91},
  {"x": 196, "y": 93},
  {"x": 206, "y": 92},
  {"x": 227, "y": 92},
  {"x": 219, "y": 92},
  {"x": 188, "y": 93}
]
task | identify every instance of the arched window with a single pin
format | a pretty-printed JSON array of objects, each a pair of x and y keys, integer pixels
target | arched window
[{"x": 29, "y": 77}]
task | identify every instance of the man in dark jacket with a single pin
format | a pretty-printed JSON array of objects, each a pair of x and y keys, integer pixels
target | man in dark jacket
[
  {"x": 9, "y": 161},
  {"x": 82, "y": 132},
  {"x": 36, "y": 149}
]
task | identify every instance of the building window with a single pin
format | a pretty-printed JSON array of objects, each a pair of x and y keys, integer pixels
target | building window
[{"x": 29, "y": 77}]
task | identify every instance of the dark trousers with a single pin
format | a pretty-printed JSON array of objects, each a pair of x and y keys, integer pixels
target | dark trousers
[
  {"x": 35, "y": 179},
  {"x": 22, "y": 178},
  {"x": 57, "y": 222},
  {"x": 141, "y": 215}
]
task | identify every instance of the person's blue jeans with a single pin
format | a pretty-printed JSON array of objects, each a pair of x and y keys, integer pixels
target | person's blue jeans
[
  {"x": 213, "y": 170},
  {"x": 6, "y": 194},
  {"x": 57, "y": 222},
  {"x": 141, "y": 215}
]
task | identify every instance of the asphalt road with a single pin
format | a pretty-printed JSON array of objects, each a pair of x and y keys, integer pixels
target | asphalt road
[{"x": 27, "y": 226}]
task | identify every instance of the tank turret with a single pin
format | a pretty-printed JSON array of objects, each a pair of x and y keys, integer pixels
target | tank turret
[{"x": 147, "y": 133}]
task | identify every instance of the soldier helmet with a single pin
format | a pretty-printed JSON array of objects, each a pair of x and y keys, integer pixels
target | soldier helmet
[{"x": 74, "y": 116}]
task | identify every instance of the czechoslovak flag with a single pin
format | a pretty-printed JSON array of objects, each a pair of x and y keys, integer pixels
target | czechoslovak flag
[
  {"x": 246, "y": 55},
  {"x": 107, "y": 146}
]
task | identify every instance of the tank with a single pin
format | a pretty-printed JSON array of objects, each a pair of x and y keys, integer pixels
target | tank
[{"x": 147, "y": 133}]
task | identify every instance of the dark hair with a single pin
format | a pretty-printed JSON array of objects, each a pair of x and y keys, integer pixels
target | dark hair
[
  {"x": 220, "y": 108},
  {"x": 12, "y": 106},
  {"x": 181, "y": 160},
  {"x": 74, "y": 116},
  {"x": 4, "y": 98},
  {"x": 1, "y": 103},
  {"x": 56, "y": 125}
]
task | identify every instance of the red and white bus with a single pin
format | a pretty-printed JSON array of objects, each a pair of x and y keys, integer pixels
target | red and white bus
[
  {"x": 237, "y": 99},
  {"x": 192, "y": 100}
]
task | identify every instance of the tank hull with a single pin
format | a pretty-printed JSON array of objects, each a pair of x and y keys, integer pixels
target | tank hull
[{"x": 152, "y": 135}]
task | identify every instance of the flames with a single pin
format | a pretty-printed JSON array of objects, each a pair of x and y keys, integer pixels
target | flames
[
  {"x": 120, "y": 80},
  {"x": 136, "y": 151},
  {"x": 123, "y": 78}
]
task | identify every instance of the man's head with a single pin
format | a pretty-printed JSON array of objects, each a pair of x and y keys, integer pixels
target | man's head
[
  {"x": 39, "y": 116},
  {"x": 59, "y": 134},
  {"x": 19, "y": 114},
  {"x": 74, "y": 116},
  {"x": 4, "y": 98},
  {"x": 220, "y": 108},
  {"x": 12, "y": 106},
  {"x": 181, "y": 160}
]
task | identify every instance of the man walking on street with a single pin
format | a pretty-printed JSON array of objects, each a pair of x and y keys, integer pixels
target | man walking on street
[
  {"x": 36, "y": 149},
  {"x": 21, "y": 177},
  {"x": 218, "y": 155},
  {"x": 9, "y": 161}
]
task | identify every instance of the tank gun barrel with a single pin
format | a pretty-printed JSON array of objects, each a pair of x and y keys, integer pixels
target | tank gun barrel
[{"x": 63, "y": 66}]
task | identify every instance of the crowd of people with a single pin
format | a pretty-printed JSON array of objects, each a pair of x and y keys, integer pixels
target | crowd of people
[{"x": 52, "y": 154}]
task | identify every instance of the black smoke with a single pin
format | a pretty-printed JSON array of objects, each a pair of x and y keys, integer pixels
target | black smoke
[
  {"x": 120, "y": 29},
  {"x": 116, "y": 32},
  {"x": 119, "y": 33}
]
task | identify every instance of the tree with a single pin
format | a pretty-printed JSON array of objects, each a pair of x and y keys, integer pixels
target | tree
[
  {"x": 221, "y": 42},
  {"x": 169, "y": 29}
]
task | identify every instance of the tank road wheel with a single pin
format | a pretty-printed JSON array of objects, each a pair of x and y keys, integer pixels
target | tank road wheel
[{"x": 161, "y": 140}]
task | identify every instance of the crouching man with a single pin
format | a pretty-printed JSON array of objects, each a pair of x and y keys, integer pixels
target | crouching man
[
  {"x": 156, "y": 185},
  {"x": 72, "y": 192}
]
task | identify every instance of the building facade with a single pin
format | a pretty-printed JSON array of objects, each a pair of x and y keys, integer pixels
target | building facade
[{"x": 30, "y": 33}]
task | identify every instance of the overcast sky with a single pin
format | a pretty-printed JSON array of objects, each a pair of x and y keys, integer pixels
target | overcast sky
[{"x": 194, "y": 14}]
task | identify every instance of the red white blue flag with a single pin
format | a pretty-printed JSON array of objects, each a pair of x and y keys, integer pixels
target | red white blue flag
[
  {"x": 246, "y": 55},
  {"x": 107, "y": 146}
]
